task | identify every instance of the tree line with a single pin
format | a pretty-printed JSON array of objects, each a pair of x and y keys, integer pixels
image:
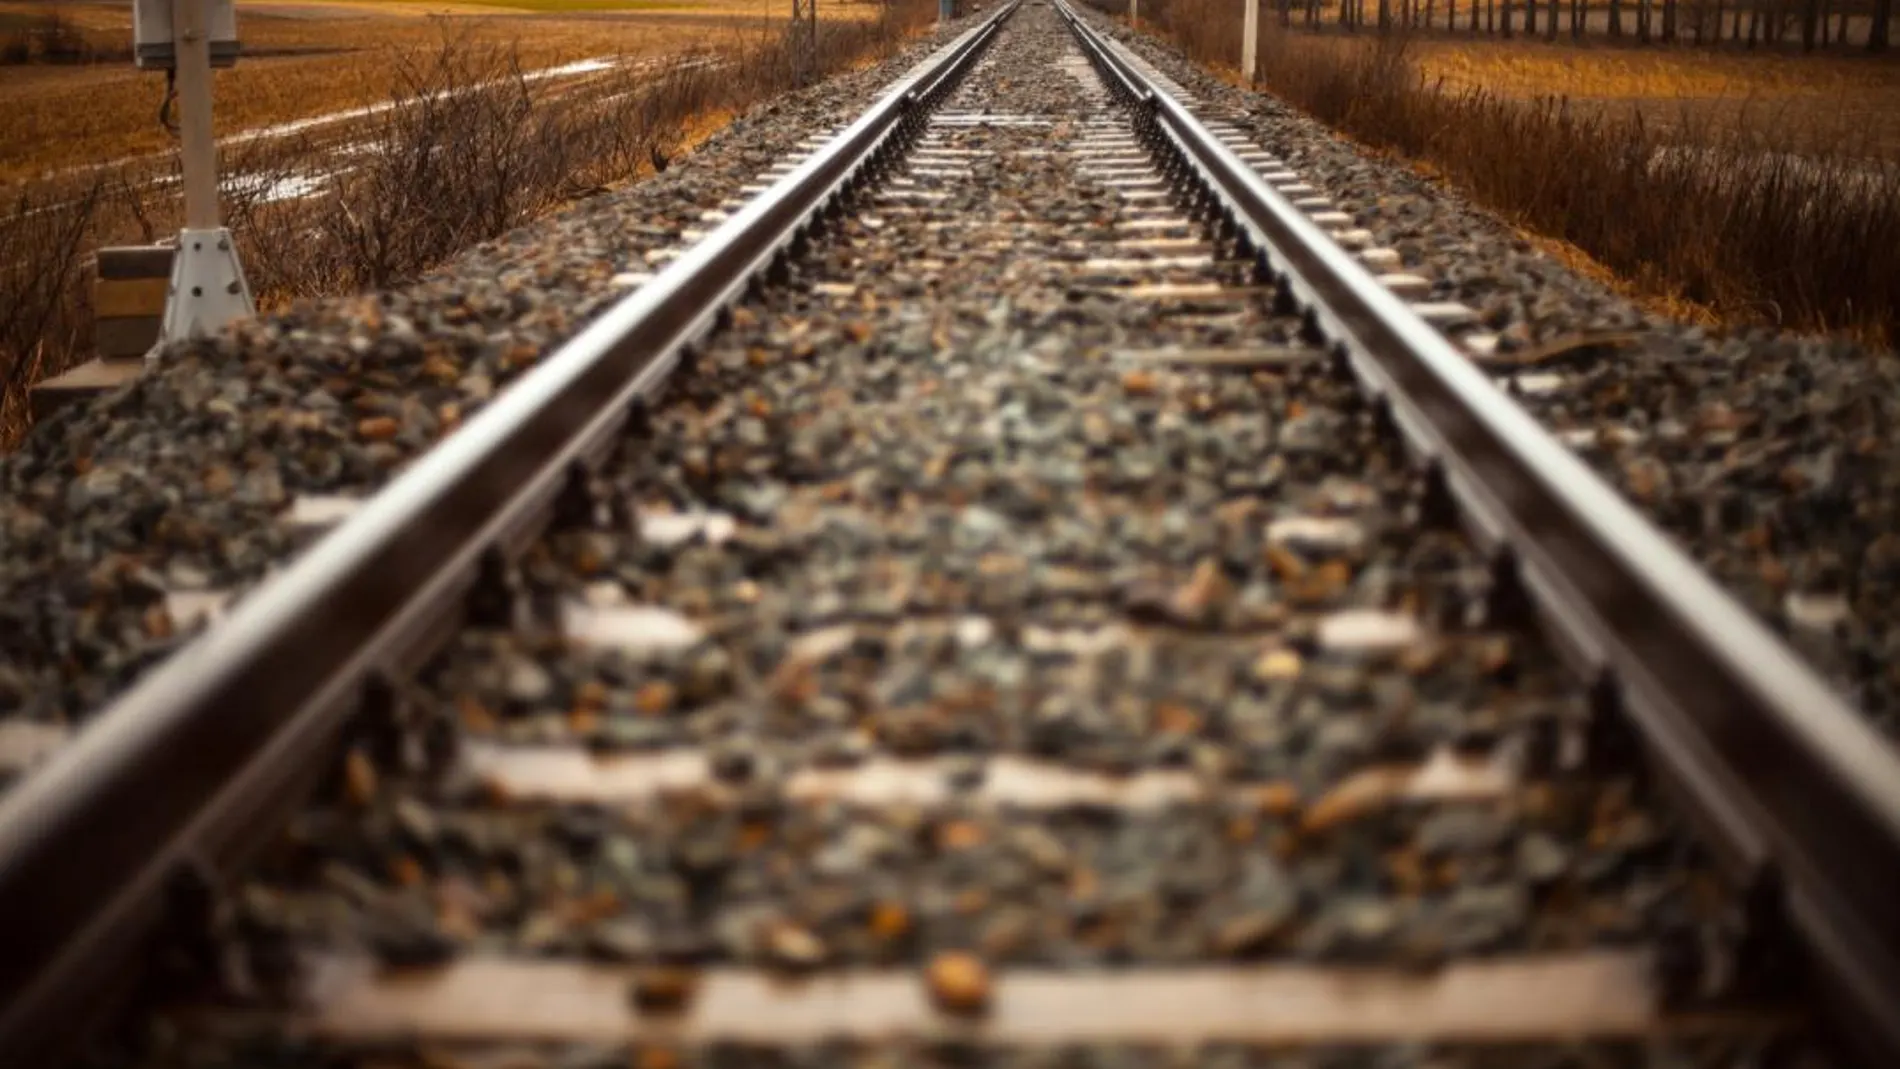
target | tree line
[{"x": 1773, "y": 23}]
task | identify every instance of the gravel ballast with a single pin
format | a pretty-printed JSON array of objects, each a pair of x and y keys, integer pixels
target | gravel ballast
[
  {"x": 1765, "y": 455},
  {"x": 917, "y": 567},
  {"x": 119, "y": 516}
]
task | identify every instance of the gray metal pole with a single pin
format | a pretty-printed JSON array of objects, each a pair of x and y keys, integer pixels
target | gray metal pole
[
  {"x": 191, "y": 35},
  {"x": 1249, "y": 37},
  {"x": 208, "y": 289}
]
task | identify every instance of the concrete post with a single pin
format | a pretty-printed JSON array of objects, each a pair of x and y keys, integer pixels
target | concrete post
[
  {"x": 1249, "y": 38},
  {"x": 192, "y": 38},
  {"x": 208, "y": 290}
]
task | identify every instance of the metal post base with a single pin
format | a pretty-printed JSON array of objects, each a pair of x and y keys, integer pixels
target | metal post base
[{"x": 208, "y": 290}]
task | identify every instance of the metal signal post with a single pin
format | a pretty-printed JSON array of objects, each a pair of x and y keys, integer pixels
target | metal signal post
[
  {"x": 1249, "y": 38},
  {"x": 186, "y": 38}
]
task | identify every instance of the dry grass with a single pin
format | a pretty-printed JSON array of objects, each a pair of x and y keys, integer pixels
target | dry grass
[
  {"x": 44, "y": 314},
  {"x": 1804, "y": 103},
  {"x": 1538, "y": 68},
  {"x": 1817, "y": 100},
  {"x": 308, "y": 67},
  {"x": 465, "y": 148},
  {"x": 1742, "y": 218},
  {"x": 1579, "y": 262},
  {"x": 310, "y": 59}
]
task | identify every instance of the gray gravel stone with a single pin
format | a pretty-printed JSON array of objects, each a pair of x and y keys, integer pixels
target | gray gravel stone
[
  {"x": 965, "y": 525},
  {"x": 1764, "y": 454}
]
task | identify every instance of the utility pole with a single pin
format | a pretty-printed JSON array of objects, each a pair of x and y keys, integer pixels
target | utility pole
[
  {"x": 804, "y": 40},
  {"x": 1249, "y": 37},
  {"x": 208, "y": 290}
]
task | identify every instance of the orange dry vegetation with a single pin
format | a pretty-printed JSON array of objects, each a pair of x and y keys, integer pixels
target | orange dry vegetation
[
  {"x": 1766, "y": 207},
  {"x": 310, "y": 58},
  {"x": 1825, "y": 99},
  {"x": 1790, "y": 101}
]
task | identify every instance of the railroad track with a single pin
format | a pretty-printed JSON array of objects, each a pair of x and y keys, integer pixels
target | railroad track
[{"x": 1019, "y": 581}]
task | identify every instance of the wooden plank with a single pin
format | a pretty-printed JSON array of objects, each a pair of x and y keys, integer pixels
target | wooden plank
[
  {"x": 1188, "y": 291},
  {"x": 125, "y": 337},
  {"x": 1244, "y": 357},
  {"x": 135, "y": 261},
  {"x": 573, "y": 775},
  {"x": 89, "y": 379},
  {"x": 25, "y": 744},
  {"x": 130, "y": 297},
  {"x": 1569, "y": 996}
]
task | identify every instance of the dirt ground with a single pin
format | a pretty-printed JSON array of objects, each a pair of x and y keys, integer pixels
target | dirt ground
[{"x": 304, "y": 58}]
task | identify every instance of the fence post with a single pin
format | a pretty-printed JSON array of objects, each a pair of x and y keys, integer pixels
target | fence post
[
  {"x": 208, "y": 290},
  {"x": 1249, "y": 38},
  {"x": 1134, "y": 12}
]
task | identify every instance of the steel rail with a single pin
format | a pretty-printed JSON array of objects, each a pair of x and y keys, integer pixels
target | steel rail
[
  {"x": 198, "y": 763},
  {"x": 1800, "y": 795}
]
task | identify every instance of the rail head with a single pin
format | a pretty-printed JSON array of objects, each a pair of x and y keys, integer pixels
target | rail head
[
  {"x": 1798, "y": 791},
  {"x": 192, "y": 766}
]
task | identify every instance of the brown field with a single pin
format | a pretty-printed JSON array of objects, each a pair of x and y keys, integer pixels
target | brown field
[
  {"x": 1786, "y": 99},
  {"x": 310, "y": 58},
  {"x": 1796, "y": 102},
  {"x": 1816, "y": 103}
]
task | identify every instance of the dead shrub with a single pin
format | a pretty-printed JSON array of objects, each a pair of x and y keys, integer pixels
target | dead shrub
[{"x": 45, "y": 272}]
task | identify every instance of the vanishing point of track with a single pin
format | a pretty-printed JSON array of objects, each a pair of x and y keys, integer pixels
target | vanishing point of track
[{"x": 1147, "y": 615}]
